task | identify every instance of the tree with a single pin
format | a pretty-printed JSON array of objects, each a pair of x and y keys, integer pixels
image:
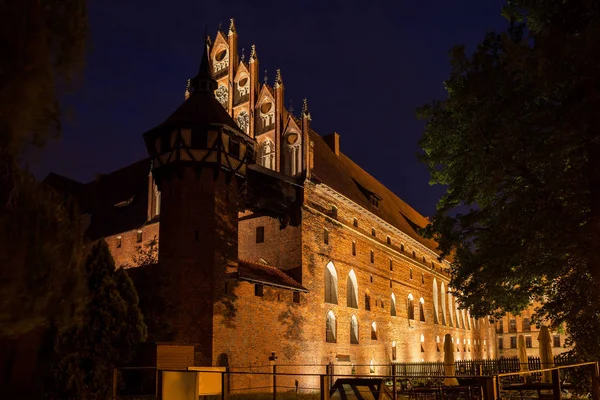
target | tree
[
  {"x": 42, "y": 45},
  {"x": 517, "y": 145},
  {"x": 107, "y": 335},
  {"x": 152, "y": 285}
]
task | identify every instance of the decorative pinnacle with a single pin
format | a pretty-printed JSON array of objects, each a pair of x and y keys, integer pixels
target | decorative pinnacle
[
  {"x": 231, "y": 27},
  {"x": 305, "y": 113},
  {"x": 291, "y": 107},
  {"x": 253, "y": 55},
  {"x": 243, "y": 56},
  {"x": 278, "y": 80},
  {"x": 266, "y": 78},
  {"x": 188, "y": 86},
  {"x": 220, "y": 27}
]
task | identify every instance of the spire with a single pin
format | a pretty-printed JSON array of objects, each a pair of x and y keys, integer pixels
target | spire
[
  {"x": 243, "y": 56},
  {"x": 266, "y": 78},
  {"x": 231, "y": 27},
  {"x": 278, "y": 79},
  {"x": 204, "y": 82},
  {"x": 253, "y": 55},
  {"x": 305, "y": 112}
]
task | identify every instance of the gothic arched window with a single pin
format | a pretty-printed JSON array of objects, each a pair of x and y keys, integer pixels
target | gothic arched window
[
  {"x": 352, "y": 290},
  {"x": 353, "y": 330},
  {"x": 393, "y": 306},
  {"x": 331, "y": 284},
  {"x": 330, "y": 328},
  {"x": 422, "y": 309},
  {"x": 267, "y": 154},
  {"x": 443, "y": 297},
  {"x": 411, "y": 307},
  {"x": 435, "y": 301}
]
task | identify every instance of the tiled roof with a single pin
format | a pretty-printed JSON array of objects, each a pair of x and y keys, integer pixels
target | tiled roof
[
  {"x": 267, "y": 275},
  {"x": 345, "y": 177},
  {"x": 127, "y": 187}
]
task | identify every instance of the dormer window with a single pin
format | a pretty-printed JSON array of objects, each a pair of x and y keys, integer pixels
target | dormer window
[{"x": 374, "y": 200}]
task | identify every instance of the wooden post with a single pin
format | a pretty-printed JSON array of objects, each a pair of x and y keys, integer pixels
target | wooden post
[
  {"x": 488, "y": 388},
  {"x": 324, "y": 386},
  {"x": 555, "y": 384},
  {"x": 595, "y": 382},
  {"x": 394, "y": 393}
]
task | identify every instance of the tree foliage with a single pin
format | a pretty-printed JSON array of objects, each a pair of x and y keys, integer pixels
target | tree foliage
[
  {"x": 517, "y": 144},
  {"x": 42, "y": 45},
  {"x": 152, "y": 285},
  {"x": 107, "y": 335}
]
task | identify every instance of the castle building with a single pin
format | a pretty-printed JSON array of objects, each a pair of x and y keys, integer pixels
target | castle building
[{"x": 274, "y": 239}]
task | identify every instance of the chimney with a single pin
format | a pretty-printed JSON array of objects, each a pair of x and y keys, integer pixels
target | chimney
[{"x": 333, "y": 141}]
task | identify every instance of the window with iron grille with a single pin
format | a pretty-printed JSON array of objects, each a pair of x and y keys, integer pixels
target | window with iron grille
[
  {"x": 513, "y": 342},
  {"x": 528, "y": 342}
]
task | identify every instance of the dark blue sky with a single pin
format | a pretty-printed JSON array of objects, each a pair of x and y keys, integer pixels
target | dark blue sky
[{"x": 363, "y": 65}]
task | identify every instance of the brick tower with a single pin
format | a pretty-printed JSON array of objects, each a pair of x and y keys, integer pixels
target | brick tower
[{"x": 199, "y": 162}]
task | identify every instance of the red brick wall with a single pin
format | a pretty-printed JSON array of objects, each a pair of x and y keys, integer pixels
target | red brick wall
[
  {"x": 281, "y": 247},
  {"x": 123, "y": 255}
]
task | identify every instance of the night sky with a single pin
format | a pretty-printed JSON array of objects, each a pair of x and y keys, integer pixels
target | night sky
[{"x": 363, "y": 65}]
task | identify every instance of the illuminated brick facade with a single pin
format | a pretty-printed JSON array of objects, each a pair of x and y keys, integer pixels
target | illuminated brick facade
[{"x": 348, "y": 236}]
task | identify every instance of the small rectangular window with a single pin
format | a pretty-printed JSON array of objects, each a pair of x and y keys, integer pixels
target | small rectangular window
[
  {"x": 118, "y": 241},
  {"x": 234, "y": 149},
  {"x": 528, "y": 342},
  {"x": 334, "y": 212},
  {"x": 423, "y": 278},
  {"x": 296, "y": 297},
  {"x": 556, "y": 340},
  {"x": 512, "y": 325},
  {"x": 500, "y": 343},
  {"x": 391, "y": 265},
  {"x": 325, "y": 236},
  {"x": 373, "y": 232},
  {"x": 513, "y": 342},
  {"x": 260, "y": 234},
  {"x": 526, "y": 325},
  {"x": 258, "y": 290},
  {"x": 355, "y": 223},
  {"x": 199, "y": 138},
  {"x": 410, "y": 274},
  {"x": 139, "y": 237},
  {"x": 372, "y": 257},
  {"x": 389, "y": 241},
  {"x": 353, "y": 248}
]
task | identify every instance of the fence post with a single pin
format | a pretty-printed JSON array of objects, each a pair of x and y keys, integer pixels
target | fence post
[
  {"x": 114, "y": 384},
  {"x": 224, "y": 385},
  {"x": 395, "y": 392},
  {"x": 555, "y": 384},
  {"x": 595, "y": 382},
  {"x": 274, "y": 382}
]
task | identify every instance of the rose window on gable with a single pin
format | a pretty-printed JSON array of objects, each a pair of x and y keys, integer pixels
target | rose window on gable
[{"x": 221, "y": 61}]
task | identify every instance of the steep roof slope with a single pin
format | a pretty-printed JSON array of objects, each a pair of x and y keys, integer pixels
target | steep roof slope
[{"x": 344, "y": 176}]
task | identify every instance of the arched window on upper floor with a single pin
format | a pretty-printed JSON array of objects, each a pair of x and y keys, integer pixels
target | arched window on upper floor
[
  {"x": 450, "y": 310},
  {"x": 458, "y": 315},
  {"x": 435, "y": 302},
  {"x": 422, "y": 343},
  {"x": 367, "y": 300},
  {"x": 374, "y": 331},
  {"x": 464, "y": 319},
  {"x": 393, "y": 305},
  {"x": 443, "y": 298},
  {"x": 422, "y": 309},
  {"x": 411, "y": 306},
  {"x": 331, "y": 284},
  {"x": 266, "y": 154},
  {"x": 330, "y": 328},
  {"x": 354, "y": 330},
  {"x": 352, "y": 290},
  {"x": 394, "y": 350}
]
